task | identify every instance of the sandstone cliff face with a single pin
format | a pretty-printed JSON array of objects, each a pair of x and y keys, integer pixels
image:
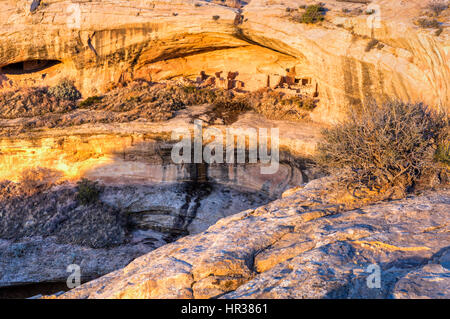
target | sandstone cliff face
[
  {"x": 140, "y": 152},
  {"x": 412, "y": 65},
  {"x": 100, "y": 43},
  {"x": 155, "y": 200}
]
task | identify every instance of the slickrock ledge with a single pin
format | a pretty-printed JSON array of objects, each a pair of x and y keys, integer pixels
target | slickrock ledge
[{"x": 314, "y": 243}]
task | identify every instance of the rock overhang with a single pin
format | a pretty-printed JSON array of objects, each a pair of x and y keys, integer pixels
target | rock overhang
[{"x": 102, "y": 43}]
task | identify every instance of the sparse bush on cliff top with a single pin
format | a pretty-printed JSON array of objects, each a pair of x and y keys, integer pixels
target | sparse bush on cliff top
[
  {"x": 313, "y": 14},
  {"x": 88, "y": 191},
  {"x": 391, "y": 144}
]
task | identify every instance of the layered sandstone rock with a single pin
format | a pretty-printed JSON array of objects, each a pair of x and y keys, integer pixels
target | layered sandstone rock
[
  {"x": 127, "y": 222},
  {"x": 146, "y": 202},
  {"x": 100, "y": 43},
  {"x": 308, "y": 245},
  {"x": 140, "y": 151},
  {"x": 314, "y": 242}
]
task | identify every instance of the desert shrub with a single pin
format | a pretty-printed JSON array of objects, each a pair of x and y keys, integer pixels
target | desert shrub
[
  {"x": 193, "y": 95},
  {"x": 437, "y": 6},
  {"x": 428, "y": 23},
  {"x": 65, "y": 90},
  {"x": 390, "y": 144},
  {"x": 215, "y": 18},
  {"x": 88, "y": 191},
  {"x": 155, "y": 102},
  {"x": 313, "y": 14},
  {"x": 279, "y": 106},
  {"x": 442, "y": 154},
  {"x": 228, "y": 108},
  {"x": 34, "y": 101},
  {"x": 159, "y": 102},
  {"x": 299, "y": 102},
  {"x": 91, "y": 100}
]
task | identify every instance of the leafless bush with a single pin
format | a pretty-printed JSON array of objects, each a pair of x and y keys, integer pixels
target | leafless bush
[{"x": 390, "y": 144}]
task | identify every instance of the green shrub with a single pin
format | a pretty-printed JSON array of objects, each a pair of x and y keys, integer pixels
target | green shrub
[
  {"x": 389, "y": 144},
  {"x": 88, "y": 191},
  {"x": 442, "y": 154},
  {"x": 65, "y": 90},
  {"x": 313, "y": 14}
]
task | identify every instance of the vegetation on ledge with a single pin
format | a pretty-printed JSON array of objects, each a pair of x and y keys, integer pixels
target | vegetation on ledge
[{"x": 391, "y": 144}]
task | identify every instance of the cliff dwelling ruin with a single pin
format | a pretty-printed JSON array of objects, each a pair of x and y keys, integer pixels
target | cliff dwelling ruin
[{"x": 290, "y": 83}]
